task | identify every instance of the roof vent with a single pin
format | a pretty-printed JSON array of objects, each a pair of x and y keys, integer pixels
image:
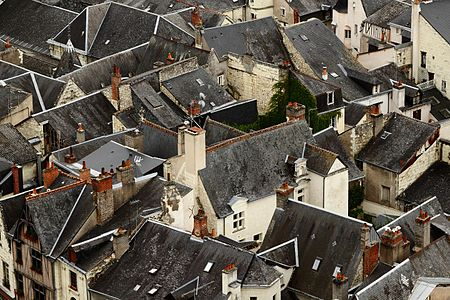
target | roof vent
[
  {"x": 304, "y": 37},
  {"x": 200, "y": 82},
  {"x": 385, "y": 135},
  {"x": 107, "y": 42},
  {"x": 153, "y": 270},
  {"x": 316, "y": 263}
]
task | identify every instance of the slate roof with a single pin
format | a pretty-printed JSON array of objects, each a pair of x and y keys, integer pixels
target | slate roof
[
  {"x": 197, "y": 85},
  {"x": 305, "y": 7},
  {"x": 14, "y": 146},
  {"x": 319, "y": 160},
  {"x": 159, "y": 141},
  {"x": 217, "y": 132},
  {"x": 396, "y": 150},
  {"x": 390, "y": 72},
  {"x": 38, "y": 23},
  {"x": 93, "y": 111},
  {"x": 11, "y": 209},
  {"x": 354, "y": 112},
  {"x": 403, "y": 19},
  {"x": 371, "y": 6},
  {"x": 104, "y": 37},
  {"x": 436, "y": 13},
  {"x": 69, "y": 62},
  {"x": 323, "y": 48},
  {"x": 253, "y": 165},
  {"x": 432, "y": 261},
  {"x": 387, "y": 13},
  {"x": 320, "y": 233},
  {"x": 440, "y": 105},
  {"x": 179, "y": 259},
  {"x": 260, "y": 37},
  {"x": 9, "y": 98},
  {"x": 433, "y": 182},
  {"x": 379, "y": 271},
  {"x": 328, "y": 139}
]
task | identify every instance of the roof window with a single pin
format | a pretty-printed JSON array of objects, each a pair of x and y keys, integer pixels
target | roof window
[
  {"x": 153, "y": 270},
  {"x": 316, "y": 263},
  {"x": 154, "y": 289},
  {"x": 385, "y": 135},
  {"x": 337, "y": 270},
  {"x": 208, "y": 267},
  {"x": 200, "y": 82},
  {"x": 335, "y": 75},
  {"x": 137, "y": 287}
]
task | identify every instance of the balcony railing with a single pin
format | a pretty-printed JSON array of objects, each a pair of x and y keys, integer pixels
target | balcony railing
[{"x": 427, "y": 85}]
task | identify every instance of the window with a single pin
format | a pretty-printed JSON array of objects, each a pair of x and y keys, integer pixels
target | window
[
  {"x": 39, "y": 291},
  {"x": 300, "y": 195},
  {"x": 253, "y": 298},
  {"x": 36, "y": 260},
  {"x": 385, "y": 193},
  {"x": 274, "y": 297},
  {"x": 5, "y": 275},
  {"x": 19, "y": 253},
  {"x": 330, "y": 98},
  {"x": 283, "y": 11},
  {"x": 337, "y": 270},
  {"x": 257, "y": 237},
  {"x": 348, "y": 33},
  {"x": 444, "y": 86},
  {"x": 423, "y": 59},
  {"x": 30, "y": 233},
  {"x": 73, "y": 280},
  {"x": 333, "y": 122},
  {"x": 253, "y": 16},
  {"x": 316, "y": 263},
  {"x": 19, "y": 284},
  {"x": 238, "y": 221},
  {"x": 208, "y": 267},
  {"x": 221, "y": 79},
  {"x": 356, "y": 29},
  {"x": 417, "y": 114}
]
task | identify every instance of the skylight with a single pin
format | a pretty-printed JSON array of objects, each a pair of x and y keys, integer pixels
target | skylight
[
  {"x": 334, "y": 75},
  {"x": 337, "y": 270},
  {"x": 316, "y": 264},
  {"x": 154, "y": 290},
  {"x": 385, "y": 135},
  {"x": 200, "y": 82},
  {"x": 208, "y": 267},
  {"x": 304, "y": 37},
  {"x": 153, "y": 271},
  {"x": 137, "y": 287}
]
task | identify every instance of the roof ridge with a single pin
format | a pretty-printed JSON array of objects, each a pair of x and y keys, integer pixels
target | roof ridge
[
  {"x": 159, "y": 127},
  {"x": 323, "y": 149},
  {"x": 32, "y": 196},
  {"x": 99, "y": 26},
  {"x": 226, "y": 126}
]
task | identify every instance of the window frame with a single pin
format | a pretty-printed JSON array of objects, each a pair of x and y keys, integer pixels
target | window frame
[
  {"x": 238, "y": 221},
  {"x": 383, "y": 189},
  {"x": 347, "y": 33},
  {"x": 36, "y": 256},
  {"x": 73, "y": 280},
  {"x": 283, "y": 11},
  {"x": 6, "y": 280},
  {"x": 19, "y": 253},
  {"x": 444, "y": 86},
  {"x": 330, "y": 100},
  {"x": 39, "y": 291},
  {"x": 423, "y": 59},
  {"x": 221, "y": 79}
]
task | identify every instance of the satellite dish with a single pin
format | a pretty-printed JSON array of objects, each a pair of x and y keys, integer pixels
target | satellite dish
[
  {"x": 3, "y": 84},
  {"x": 202, "y": 103},
  {"x": 202, "y": 96}
]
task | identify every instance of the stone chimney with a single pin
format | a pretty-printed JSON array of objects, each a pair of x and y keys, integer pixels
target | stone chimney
[
  {"x": 120, "y": 242},
  {"x": 283, "y": 193},
  {"x": 170, "y": 60},
  {"x": 50, "y": 174},
  {"x": 295, "y": 112},
  {"x": 116, "y": 78},
  {"x": 172, "y": 212},
  {"x": 324, "y": 73},
  {"x": 81, "y": 135},
  {"x": 135, "y": 140},
  {"x": 103, "y": 197},
  {"x": 398, "y": 94},
  {"x": 195, "y": 151},
  {"x": 17, "y": 178},
  {"x": 194, "y": 108},
  {"x": 125, "y": 174},
  {"x": 200, "y": 224},
  {"x": 422, "y": 230},
  {"x": 370, "y": 251},
  {"x": 70, "y": 158},
  {"x": 340, "y": 287},
  {"x": 392, "y": 246},
  {"x": 229, "y": 281},
  {"x": 85, "y": 173}
]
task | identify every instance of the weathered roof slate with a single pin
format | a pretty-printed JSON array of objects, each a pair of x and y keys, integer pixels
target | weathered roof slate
[
  {"x": 436, "y": 13},
  {"x": 387, "y": 13},
  {"x": 319, "y": 160},
  {"x": 14, "y": 146}
]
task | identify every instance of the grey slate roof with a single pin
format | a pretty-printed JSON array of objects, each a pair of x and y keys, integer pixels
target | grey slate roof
[
  {"x": 217, "y": 132},
  {"x": 69, "y": 62},
  {"x": 323, "y": 48},
  {"x": 159, "y": 141},
  {"x": 93, "y": 111},
  {"x": 390, "y": 72},
  {"x": 440, "y": 105},
  {"x": 436, "y": 13},
  {"x": 396, "y": 150},
  {"x": 179, "y": 259},
  {"x": 387, "y": 13},
  {"x": 11, "y": 209},
  {"x": 30, "y": 24},
  {"x": 354, "y": 112},
  {"x": 10, "y": 97},
  {"x": 433, "y": 182},
  {"x": 404, "y": 19},
  {"x": 14, "y": 146},
  {"x": 260, "y": 37},
  {"x": 253, "y": 165},
  {"x": 333, "y": 238},
  {"x": 305, "y": 7},
  {"x": 432, "y": 261},
  {"x": 371, "y": 6},
  {"x": 328, "y": 139},
  {"x": 319, "y": 160}
]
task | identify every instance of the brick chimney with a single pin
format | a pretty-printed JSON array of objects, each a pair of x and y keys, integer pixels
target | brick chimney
[
  {"x": 81, "y": 135},
  {"x": 196, "y": 20},
  {"x": 8, "y": 43},
  {"x": 70, "y": 158},
  {"x": 370, "y": 251},
  {"x": 229, "y": 280},
  {"x": 50, "y": 174},
  {"x": 194, "y": 108},
  {"x": 103, "y": 197},
  {"x": 398, "y": 94},
  {"x": 120, "y": 242},
  {"x": 85, "y": 173},
  {"x": 393, "y": 244},
  {"x": 125, "y": 174},
  {"x": 324, "y": 73},
  {"x": 135, "y": 140},
  {"x": 340, "y": 287},
  {"x": 422, "y": 230},
  {"x": 283, "y": 193},
  {"x": 170, "y": 60},
  {"x": 17, "y": 178},
  {"x": 295, "y": 112},
  {"x": 200, "y": 224},
  {"x": 116, "y": 78}
]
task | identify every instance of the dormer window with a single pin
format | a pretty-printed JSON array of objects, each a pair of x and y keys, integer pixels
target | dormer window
[{"x": 330, "y": 98}]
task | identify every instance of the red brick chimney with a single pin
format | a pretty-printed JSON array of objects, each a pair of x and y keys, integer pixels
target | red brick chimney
[
  {"x": 283, "y": 193},
  {"x": 422, "y": 230},
  {"x": 116, "y": 78},
  {"x": 340, "y": 287},
  {"x": 16, "y": 172},
  {"x": 103, "y": 196},
  {"x": 50, "y": 174},
  {"x": 72, "y": 255},
  {"x": 194, "y": 108},
  {"x": 196, "y": 18},
  {"x": 70, "y": 158},
  {"x": 85, "y": 173},
  {"x": 295, "y": 112},
  {"x": 324, "y": 73},
  {"x": 170, "y": 60},
  {"x": 8, "y": 43},
  {"x": 393, "y": 246},
  {"x": 370, "y": 251},
  {"x": 200, "y": 224}
]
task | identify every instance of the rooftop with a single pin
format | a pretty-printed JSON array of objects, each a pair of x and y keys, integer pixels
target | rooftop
[
  {"x": 435, "y": 13},
  {"x": 14, "y": 146}
]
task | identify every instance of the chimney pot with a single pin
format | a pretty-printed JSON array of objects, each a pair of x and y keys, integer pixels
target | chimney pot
[
  {"x": 85, "y": 173},
  {"x": 324, "y": 73},
  {"x": 8, "y": 43},
  {"x": 115, "y": 83},
  {"x": 72, "y": 255},
  {"x": 70, "y": 158},
  {"x": 16, "y": 175},
  {"x": 194, "y": 108},
  {"x": 295, "y": 112},
  {"x": 81, "y": 135},
  {"x": 422, "y": 230},
  {"x": 200, "y": 224},
  {"x": 50, "y": 174}
]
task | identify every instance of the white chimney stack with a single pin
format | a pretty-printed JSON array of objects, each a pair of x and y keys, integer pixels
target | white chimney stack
[{"x": 324, "y": 73}]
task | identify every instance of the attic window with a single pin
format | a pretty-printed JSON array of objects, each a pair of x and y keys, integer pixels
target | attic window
[
  {"x": 337, "y": 270},
  {"x": 154, "y": 290},
  {"x": 385, "y": 135},
  {"x": 304, "y": 37},
  {"x": 316, "y": 263},
  {"x": 107, "y": 42},
  {"x": 445, "y": 112},
  {"x": 137, "y": 287},
  {"x": 334, "y": 75},
  {"x": 200, "y": 82},
  {"x": 153, "y": 270},
  {"x": 171, "y": 5},
  {"x": 208, "y": 267}
]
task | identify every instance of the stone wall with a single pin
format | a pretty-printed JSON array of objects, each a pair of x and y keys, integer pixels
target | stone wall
[{"x": 71, "y": 92}]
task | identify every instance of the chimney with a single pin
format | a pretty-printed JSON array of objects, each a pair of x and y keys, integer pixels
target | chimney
[
  {"x": 194, "y": 108},
  {"x": 200, "y": 224},
  {"x": 370, "y": 251},
  {"x": 120, "y": 242},
  {"x": 196, "y": 20},
  {"x": 422, "y": 230},
  {"x": 324, "y": 73},
  {"x": 170, "y": 60},
  {"x": 70, "y": 158},
  {"x": 340, "y": 287},
  {"x": 85, "y": 173},
  {"x": 172, "y": 210},
  {"x": 283, "y": 193},
  {"x": 377, "y": 123},
  {"x": 181, "y": 140},
  {"x": 195, "y": 150},
  {"x": 116, "y": 78},
  {"x": 8, "y": 43},
  {"x": 229, "y": 279},
  {"x": 72, "y": 255},
  {"x": 295, "y": 112},
  {"x": 125, "y": 174},
  {"x": 103, "y": 197},
  {"x": 17, "y": 179},
  {"x": 81, "y": 136},
  {"x": 135, "y": 140},
  {"x": 50, "y": 174},
  {"x": 392, "y": 242},
  {"x": 398, "y": 94}
]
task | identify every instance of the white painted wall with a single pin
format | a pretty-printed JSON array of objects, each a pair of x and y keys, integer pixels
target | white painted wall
[
  {"x": 262, "y": 293},
  {"x": 355, "y": 16},
  {"x": 6, "y": 256},
  {"x": 336, "y": 189},
  {"x": 373, "y": 60},
  {"x": 62, "y": 282}
]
